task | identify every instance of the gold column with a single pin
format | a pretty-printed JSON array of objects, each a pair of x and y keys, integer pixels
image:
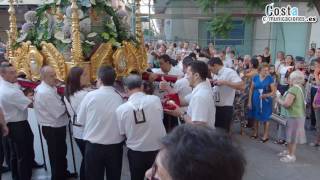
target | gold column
[
  {"x": 142, "y": 53},
  {"x": 77, "y": 58},
  {"x": 12, "y": 32},
  {"x": 139, "y": 32},
  {"x": 76, "y": 51}
]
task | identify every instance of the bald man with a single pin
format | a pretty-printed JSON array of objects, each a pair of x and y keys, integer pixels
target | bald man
[{"x": 52, "y": 116}]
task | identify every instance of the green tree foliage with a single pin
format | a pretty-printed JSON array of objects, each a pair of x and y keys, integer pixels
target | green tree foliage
[{"x": 221, "y": 25}]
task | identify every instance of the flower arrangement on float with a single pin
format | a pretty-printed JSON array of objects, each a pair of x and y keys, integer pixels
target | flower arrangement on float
[{"x": 86, "y": 33}]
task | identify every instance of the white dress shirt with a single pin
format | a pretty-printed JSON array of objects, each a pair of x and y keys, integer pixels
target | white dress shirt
[
  {"x": 283, "y": 71},
  {"x": 182, "y": 87},
  {"x": 73, "y": 109},
  {"x": 173, "y": 71},
  {"x": 224, "y": 95},
  {"x": 144, "y": 136},
  {"x": 228, "y": 63},
  {"x": 13, "y": 102},
  {"x": 201, "y": 107},
  {"x": 97, "y": 114},
  {"x": 48, "y": 106}
]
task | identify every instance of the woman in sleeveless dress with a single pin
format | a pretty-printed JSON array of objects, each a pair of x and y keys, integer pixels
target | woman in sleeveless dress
[{"x": 260, "y": 100}]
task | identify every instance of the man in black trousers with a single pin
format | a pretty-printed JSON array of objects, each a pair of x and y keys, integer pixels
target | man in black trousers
[
  {"x": 15, "y": 107},
  {"x": 52, "y": 116},
  {"x": 98, "y": 115}
]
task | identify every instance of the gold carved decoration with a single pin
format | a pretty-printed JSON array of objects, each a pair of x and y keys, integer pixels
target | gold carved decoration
[
  {"x": 28, "y": 61},
  {"x": 77, "y": 58},
  {"x": 131, "y": 55},
  {"x": 21, "y": 60},
  {"x": 120, "y": 62},
  {"x": 76, "y": 50},
  {"x": 12, "y": 32},
  {"x": 102, "y": 56},
  {"x": 54, "y": 59},
  {"x": 35, "y": 61},
  {"x": 141, "y": 50}
]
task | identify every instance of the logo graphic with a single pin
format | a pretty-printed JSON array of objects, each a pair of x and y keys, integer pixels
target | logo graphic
[{"x": 285, "y": 14}]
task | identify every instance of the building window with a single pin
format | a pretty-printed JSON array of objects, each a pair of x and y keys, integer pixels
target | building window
[{"x": 236, "y": 35}]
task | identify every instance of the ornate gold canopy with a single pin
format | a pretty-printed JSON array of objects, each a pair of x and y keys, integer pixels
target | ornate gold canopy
[{"x": 28, "y": 59}]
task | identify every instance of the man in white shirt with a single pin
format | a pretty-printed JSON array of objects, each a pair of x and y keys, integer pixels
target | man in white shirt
[
  {"x": 166, "y": 67},
  {"x": 97, "y": 114},
  {"x": 51, "y": 114},
  {"x": 15, "y": 108},
  {"x": 227, "y": 62},
  {"x": 140, "y": 121},
  {"x": 226, "y": 84},
  {"x": 201, "y": 109},
  {"x": 181, "y": 86}
]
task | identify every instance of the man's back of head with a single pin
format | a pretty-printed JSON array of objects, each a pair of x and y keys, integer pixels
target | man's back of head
[
  {"x": 106, "y": 75},
  {"x": 197, "y": 152}
]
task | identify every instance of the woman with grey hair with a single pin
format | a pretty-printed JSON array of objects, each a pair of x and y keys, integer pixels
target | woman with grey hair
[{"x": 294, "y": 104}]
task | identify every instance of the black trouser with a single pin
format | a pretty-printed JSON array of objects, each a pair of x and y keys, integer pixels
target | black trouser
[
  {"x": 1, "y": 156},
  {"x": 20, "y": 149},
  {"x": 5, "y": 147},
  {"x": 82, "y": 146},
  {"x": 312, "y": 115},
  {"x": 140, "y": 162},
  {"x": 6, "y": 150},
  {"x": 224, "y": 116},
  {"x": 170, "y": 122},
  {"x": 100, "y": 158},
  {"x": 282, "y": 88},
  {"x": 57, "y": 150}
]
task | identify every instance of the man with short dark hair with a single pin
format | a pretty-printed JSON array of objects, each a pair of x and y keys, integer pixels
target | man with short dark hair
[
  {"x": 140, "y": 121},
  {"x": 166, "y": 67},
  {"x": 181, "y": 86},
  {"x": 226, "y": 84},
  {"x": 97, "y": 113},
  {"x": 15, "y": 107},
  {"x": 195, "y": 152},
  {"x": 201, "y": 109}
]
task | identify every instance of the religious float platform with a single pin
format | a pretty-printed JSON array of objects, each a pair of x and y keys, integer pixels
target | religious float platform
[{"x": 64, "y": 34}]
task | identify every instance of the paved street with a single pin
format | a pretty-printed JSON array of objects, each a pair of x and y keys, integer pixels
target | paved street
[{"x": 262, "y": 160}]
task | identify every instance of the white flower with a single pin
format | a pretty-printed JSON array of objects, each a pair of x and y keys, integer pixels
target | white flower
[
  {"x": 91, "y": 35},
  {"x": 66, "y": 41},
  {"x": 22, "y": 38},
  {"x": 82, "y": 37},
  {"x": 44, "y": 20},
  {"x": 59, "y": 35},
  {"x": 90, "y": 42},
  {"x": 40, "y": 35},
  {"x": 93, "y": 2},
  {"x": 69, "y": 13},
  {"x": 80, "y": 14}
]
